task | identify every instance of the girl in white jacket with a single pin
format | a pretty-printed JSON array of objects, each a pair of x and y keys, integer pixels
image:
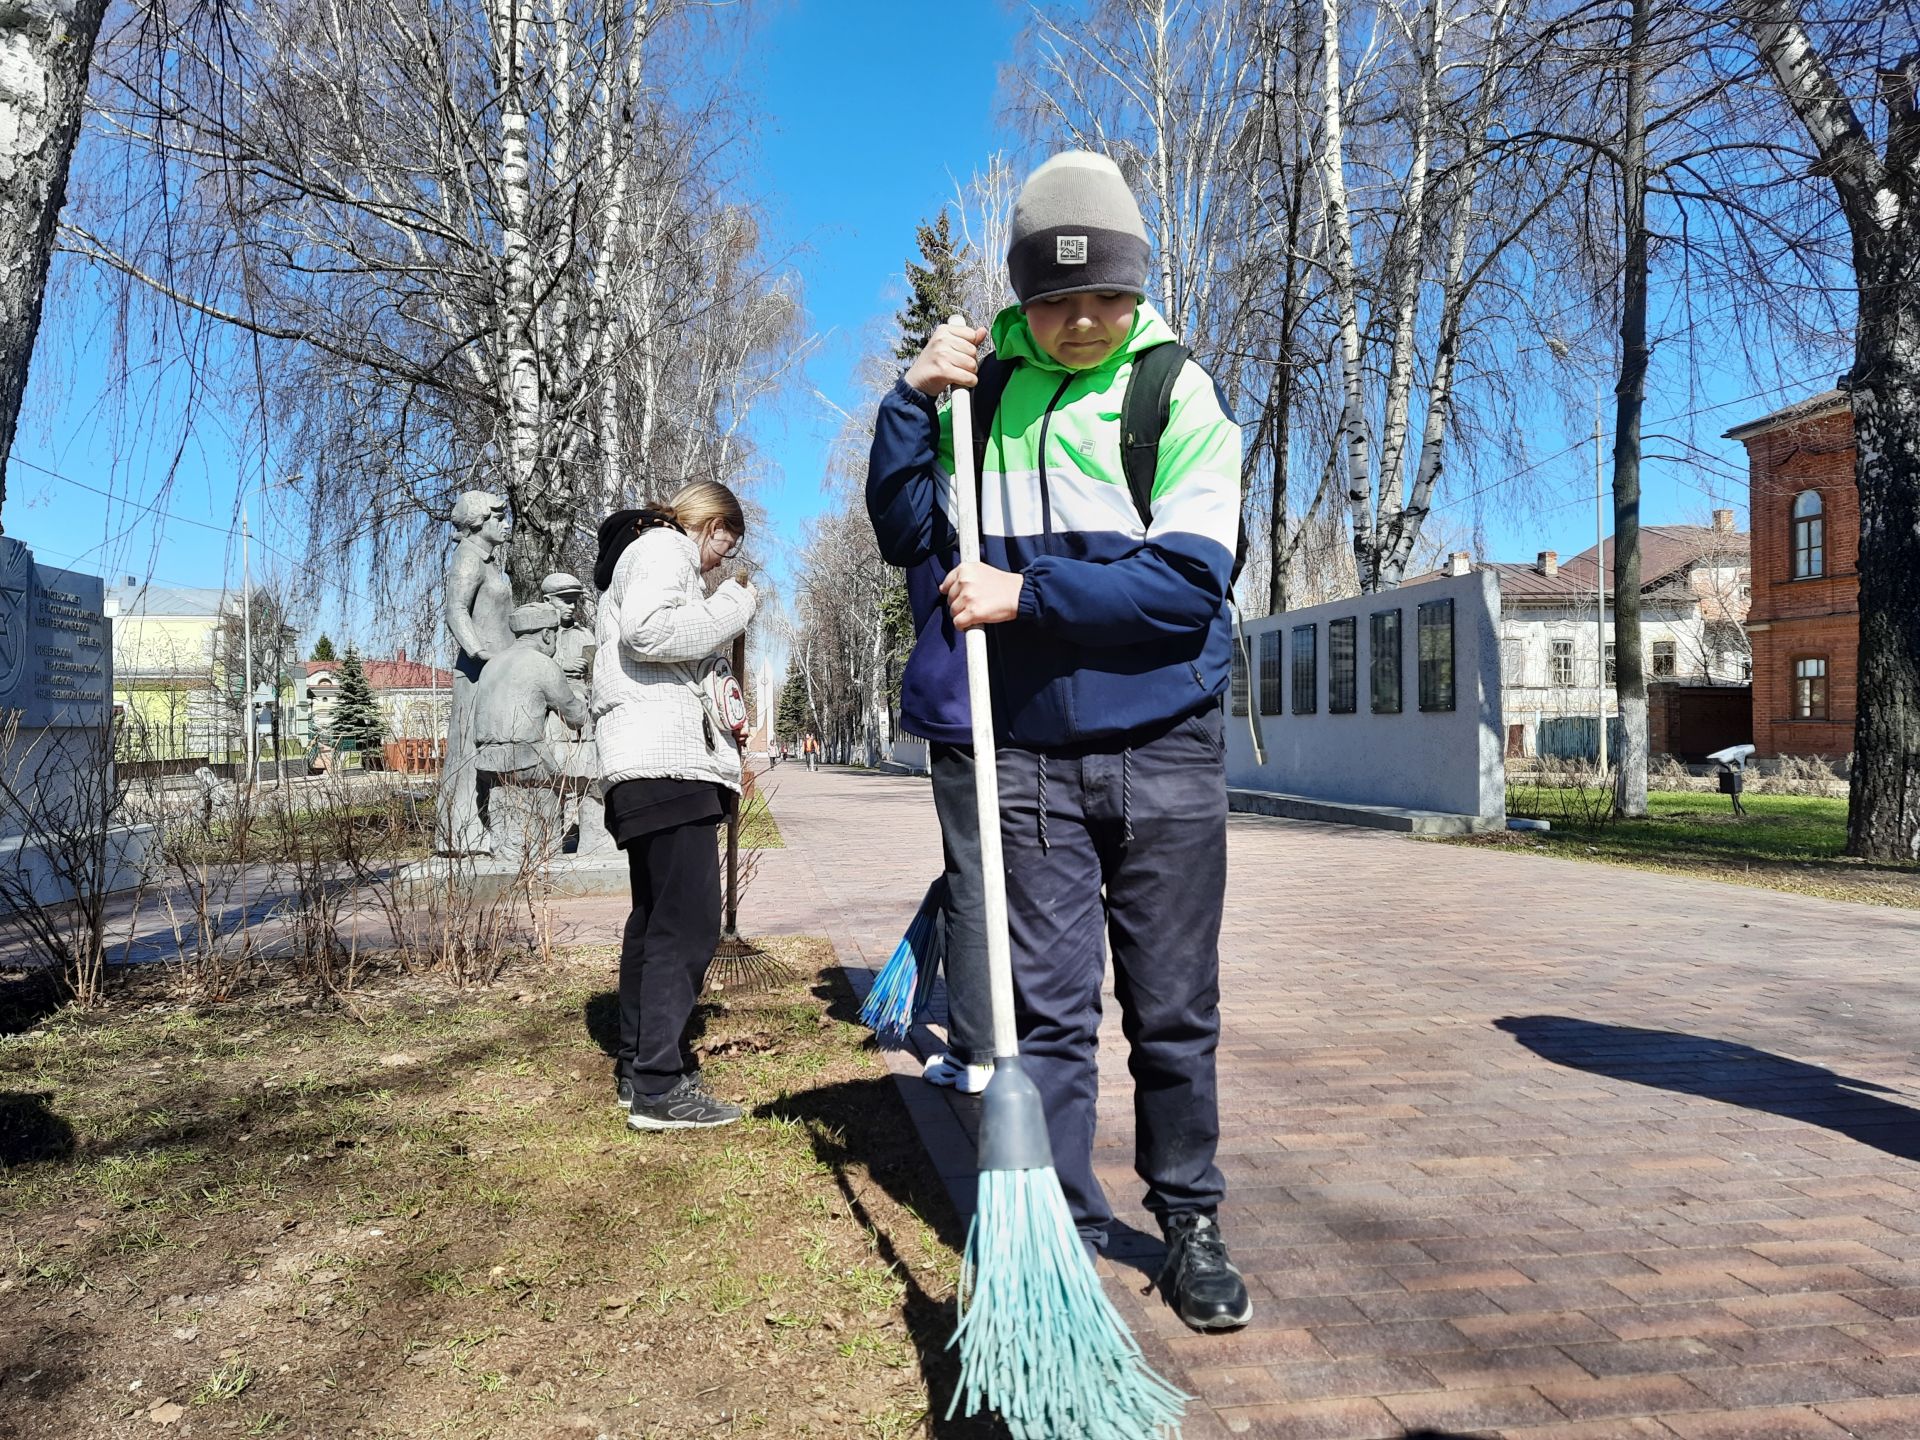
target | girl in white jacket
[{"x": 670, "y": 768}]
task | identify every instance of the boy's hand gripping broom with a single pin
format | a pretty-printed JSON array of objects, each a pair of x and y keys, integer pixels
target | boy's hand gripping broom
[{"x": 1039, "y": 1342}]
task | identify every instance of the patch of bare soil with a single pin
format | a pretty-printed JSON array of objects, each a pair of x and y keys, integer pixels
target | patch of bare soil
[{"x": 429, "y": 1219}]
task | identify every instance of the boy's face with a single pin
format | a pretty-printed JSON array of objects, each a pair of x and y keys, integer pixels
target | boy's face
[{"x": 1081, "y": 331}]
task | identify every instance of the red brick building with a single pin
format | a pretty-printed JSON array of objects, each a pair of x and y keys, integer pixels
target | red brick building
[{"x": 1804, "y": 622}]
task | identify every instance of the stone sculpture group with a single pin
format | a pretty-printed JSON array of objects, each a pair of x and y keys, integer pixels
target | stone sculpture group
[{"x": 520, "y": 761}]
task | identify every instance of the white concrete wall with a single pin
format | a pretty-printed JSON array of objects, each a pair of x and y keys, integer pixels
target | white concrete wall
[{"x": 1447, "y": 761}]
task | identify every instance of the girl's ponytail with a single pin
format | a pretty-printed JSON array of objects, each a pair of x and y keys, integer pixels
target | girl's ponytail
[{"x": 692, "y": 508}]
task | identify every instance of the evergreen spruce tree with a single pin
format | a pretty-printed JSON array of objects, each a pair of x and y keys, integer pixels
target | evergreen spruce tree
[
  {"x": 937, "y": 287},
  {"x": 792, "y": 719},
  {"x": 323, "y": 649},
  {"x": 357, "y": 720}
]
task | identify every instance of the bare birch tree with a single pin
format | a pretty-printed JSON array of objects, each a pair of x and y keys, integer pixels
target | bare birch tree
[
  {"x": 45, "y": 53},
  {"x": 1878, "y": 191},
  {"x": 481, "y": 244}
]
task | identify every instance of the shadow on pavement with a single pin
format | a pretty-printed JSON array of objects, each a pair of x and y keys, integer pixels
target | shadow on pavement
[{"x": 1727, "y": 1071}]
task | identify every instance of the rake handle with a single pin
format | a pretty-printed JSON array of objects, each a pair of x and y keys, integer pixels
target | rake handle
[
  {"x": 986, "y": 779},
  {"x": 733, "y": 810}
]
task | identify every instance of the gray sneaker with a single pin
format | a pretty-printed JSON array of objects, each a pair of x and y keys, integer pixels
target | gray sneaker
[{"x": 688, "y": 1106}]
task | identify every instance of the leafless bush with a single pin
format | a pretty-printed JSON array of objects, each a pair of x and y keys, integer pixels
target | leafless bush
[
  {"x": 63, "y": 847},
  {"x": 213, "y": 888},
  {"x": 1566, "y": 791},
  {"x": 1799, "y": 775},
  {"x": 461, "y": 918}
]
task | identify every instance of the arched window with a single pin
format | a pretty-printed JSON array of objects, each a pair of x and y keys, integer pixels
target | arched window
[{"x": 1809, "y": 536}]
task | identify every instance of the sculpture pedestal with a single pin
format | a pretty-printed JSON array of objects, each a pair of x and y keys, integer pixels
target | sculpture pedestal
[{"x": 527, "y": 821}]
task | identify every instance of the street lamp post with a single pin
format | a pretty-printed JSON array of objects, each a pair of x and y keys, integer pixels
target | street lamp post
[{"x": 246, "y": 646}]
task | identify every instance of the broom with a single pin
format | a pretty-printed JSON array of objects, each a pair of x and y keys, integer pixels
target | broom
[
  {"x": 738, "y": 963},
  {"x": 1039, "y": 1342},
  {"x": 901, "y": 992}
]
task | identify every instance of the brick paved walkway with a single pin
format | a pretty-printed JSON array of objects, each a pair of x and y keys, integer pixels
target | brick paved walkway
[{"x": 1514, "y": 1145}]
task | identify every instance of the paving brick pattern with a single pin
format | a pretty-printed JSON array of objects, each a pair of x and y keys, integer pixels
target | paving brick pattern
[{"x": 1514, "y": 1145}]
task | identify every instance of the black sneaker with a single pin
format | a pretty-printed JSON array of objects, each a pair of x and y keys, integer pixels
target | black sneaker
[
  {"x": 687, "y": 1106},
  {"x": 624, "y": 1090},
  {"x": 1199, "y": 1281}
]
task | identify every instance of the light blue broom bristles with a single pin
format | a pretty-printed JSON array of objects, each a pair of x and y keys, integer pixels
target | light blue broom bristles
[
  {"x": 905, "y": 984},
  {"x": 1040, "y": 1344}
]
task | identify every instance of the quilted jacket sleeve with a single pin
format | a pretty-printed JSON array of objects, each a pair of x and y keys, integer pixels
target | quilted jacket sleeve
[{"x": 663, "y": 616}]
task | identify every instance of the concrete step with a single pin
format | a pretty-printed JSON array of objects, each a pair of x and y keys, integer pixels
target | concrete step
[{"x": 1343, "y": 812}]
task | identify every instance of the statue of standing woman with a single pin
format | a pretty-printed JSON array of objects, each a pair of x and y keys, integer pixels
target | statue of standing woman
[{"x": 479, "y": 602}]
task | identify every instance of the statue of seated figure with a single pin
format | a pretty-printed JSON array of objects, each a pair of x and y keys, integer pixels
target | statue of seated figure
[{"x": 516, "y": 693}]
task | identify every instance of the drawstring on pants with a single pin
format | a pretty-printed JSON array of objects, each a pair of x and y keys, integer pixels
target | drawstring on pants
[
  {"x": 1126, "y": 794},
  {"x": 1042, "y": 768}
]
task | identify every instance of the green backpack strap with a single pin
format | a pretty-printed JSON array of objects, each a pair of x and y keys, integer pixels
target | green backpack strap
[{"x": 1143, "y": 419}]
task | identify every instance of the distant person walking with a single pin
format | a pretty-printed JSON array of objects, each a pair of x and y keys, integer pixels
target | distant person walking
[
  {"x": 672, "y": 768},
  {"x": 810, "y": 747}
]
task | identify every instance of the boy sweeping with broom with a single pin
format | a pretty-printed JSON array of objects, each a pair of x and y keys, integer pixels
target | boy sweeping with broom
[{"x": 1104, "y": 580}]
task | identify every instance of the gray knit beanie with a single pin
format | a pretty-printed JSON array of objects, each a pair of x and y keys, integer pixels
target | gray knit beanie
[{"x": 1076, "y": 229}]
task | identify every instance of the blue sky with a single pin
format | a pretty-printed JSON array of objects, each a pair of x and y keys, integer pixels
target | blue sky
[{"x": 870, "y": 114}]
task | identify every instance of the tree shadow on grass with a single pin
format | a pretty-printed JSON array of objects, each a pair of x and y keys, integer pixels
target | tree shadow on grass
[
  {"x": 601, "y": 1017},
  {"x": 28, "y": 998},
  {"x": 846, "y": 1124},
  {"x": 30, "y": 1132},
  {"x": 1727, "y": 1071}
]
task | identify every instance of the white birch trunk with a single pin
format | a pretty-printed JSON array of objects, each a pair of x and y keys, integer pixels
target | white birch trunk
[
  {"x": 1406, "y": 283},
  {"x": 520, "y": 370},
  {"x": 1339, "y": 228},
  {"x": 45, "y": 54}
]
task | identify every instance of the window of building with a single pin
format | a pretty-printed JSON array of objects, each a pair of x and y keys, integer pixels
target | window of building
[
  {"x": 1810, "y": 688},
  {"x": 1809, "y": 536},
  {"x": 1560, "y": 662},
  {"x": 1383, "y": 661},
  {"x": 1306, "y": 662},
  {"x": 1665, "y": 659},
  {"x": 1513, "y": 661},
  {"x": 1270, "y": 703},
  {"x": 1435, "y": 643},
  {"x": 1612, "y": 677},
  {"x": 1343, "y": 666}
]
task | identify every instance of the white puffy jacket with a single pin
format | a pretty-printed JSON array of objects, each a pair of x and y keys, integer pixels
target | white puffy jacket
[{"x": 655, "y": 626}]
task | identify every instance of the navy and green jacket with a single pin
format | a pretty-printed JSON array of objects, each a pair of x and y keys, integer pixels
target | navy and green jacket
[{"x": 1122, "y": 627}]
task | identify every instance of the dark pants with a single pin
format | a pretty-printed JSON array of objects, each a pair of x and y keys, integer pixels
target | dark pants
[
  {"x": 969, "y": 1005},
  {"x": 1147, "y": 823},
  {"x": 665, "y": 950}
]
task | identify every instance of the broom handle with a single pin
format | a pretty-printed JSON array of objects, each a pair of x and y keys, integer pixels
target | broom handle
[{"x": 986, "y": 787}]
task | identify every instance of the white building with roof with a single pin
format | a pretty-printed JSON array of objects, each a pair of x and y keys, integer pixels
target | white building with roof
[{"x": 1695, "y": 584}]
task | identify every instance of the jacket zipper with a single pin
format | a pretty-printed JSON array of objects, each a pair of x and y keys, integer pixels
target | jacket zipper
[{"x": 1046, "y": 499}]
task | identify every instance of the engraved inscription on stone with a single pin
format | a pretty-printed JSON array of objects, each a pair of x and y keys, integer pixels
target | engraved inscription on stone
[{"x": 54, "y": 655}]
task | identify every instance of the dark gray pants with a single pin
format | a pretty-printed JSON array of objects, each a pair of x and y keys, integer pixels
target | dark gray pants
[
  {"x": 1146, "y": 823},
  {"x": 969, "y": 1005}
]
